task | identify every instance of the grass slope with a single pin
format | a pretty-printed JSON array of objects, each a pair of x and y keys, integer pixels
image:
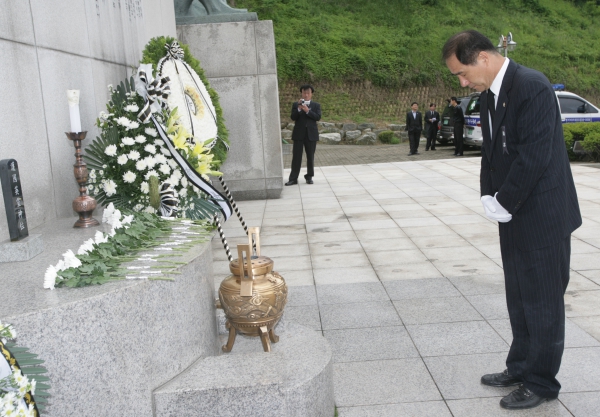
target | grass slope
[{"x": 397, "y": 43}]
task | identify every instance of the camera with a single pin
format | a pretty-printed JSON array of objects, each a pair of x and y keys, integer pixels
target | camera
[{"x": 302, "y": 102}]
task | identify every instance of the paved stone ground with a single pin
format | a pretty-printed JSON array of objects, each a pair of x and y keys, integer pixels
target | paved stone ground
[
  {"x": 331, "y": 155},
  {"x": 396, "y": 265}
]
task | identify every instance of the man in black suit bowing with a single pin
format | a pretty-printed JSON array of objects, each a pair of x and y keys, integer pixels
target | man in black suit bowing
[
  {"x": 414, "y": 126},
  {"x": 527, "y": 186},
  {"x": 431, "y": 122},
  {"x": 306, "y": 114}
]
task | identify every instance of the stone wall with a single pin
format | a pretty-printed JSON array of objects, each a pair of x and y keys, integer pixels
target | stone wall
[
  {"x": 48, "y": 47},
  {"x": 348, "y": 133}
]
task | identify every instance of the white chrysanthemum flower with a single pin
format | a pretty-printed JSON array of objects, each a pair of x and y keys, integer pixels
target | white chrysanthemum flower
[
  {"x": 110, "y": 188},
  {"x": 150, "y": 161},
  {"x": 132, "y": 108},
  {"x": 172, "y": 163},
  {"x": 184, "y": 182},
  {"x": 71, "y": 261},
  {"x": 183, "y": 191},
  {"x": 124, "y": 121},
  {"x": 151, "y": 131},
  {"x": 140, "y": 165},
  {"x": 50, "y": 277},
  {"x": 134, "y": 155},
  {"x": 138, "y": 207},
  {"x": 127, "y": 219},
  {"x": 108, "y": 212},
  {"x": 161, "y": 159},
  {"x": 86, "y": 247},
  {"x": 133, "y": 125},
  {"x": 122, "y": 159},
  {"x": 145, "y": 188},
  {"x": 60, "y": 265},
  {"x": 99, "y": 238},
  {"x": 129, "y": 177},
  {"x": 164, "y": 168},
  {"x": 111, "y": 150},
  {"x": 140, "y": 139},
  {"x": 150, "y": 210},
  {"x": 110, "y": 88},
  {"x": 90, "y": 188},
  {"x": 173, "y": 180},
  {"x": 177, "y": 173},
  {"x": 165, "y": 151},
  {"x": 150, "y": 149},
  {"x": 151, "y": 173},
  {"x": 128, "y": 141},
  {"x": 116, "y": 216},
  {"x": 92, "y": 174},
  {"x": 159, "y": 142}
]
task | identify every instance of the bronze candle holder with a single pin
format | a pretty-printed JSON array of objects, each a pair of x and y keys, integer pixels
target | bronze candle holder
[{"x": 83, "y": 205}]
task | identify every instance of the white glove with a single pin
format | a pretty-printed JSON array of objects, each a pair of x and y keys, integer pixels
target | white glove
[{"x": 494, "y": 210}]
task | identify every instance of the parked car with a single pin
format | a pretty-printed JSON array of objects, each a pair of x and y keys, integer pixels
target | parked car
[
  {"x": 445, "y": 132},
  {"x": 572, "y": 109}
]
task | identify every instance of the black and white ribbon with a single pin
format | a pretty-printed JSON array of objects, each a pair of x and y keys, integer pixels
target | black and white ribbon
[
  {"x": 154, "y": 90},
  {"x": 191, "y": 174},
  {"x": 235, "y": 208},
  {"x": 174, "y": 50},
  {"x": 222, "y": 235},
  {"x": 168, "y": 202}
]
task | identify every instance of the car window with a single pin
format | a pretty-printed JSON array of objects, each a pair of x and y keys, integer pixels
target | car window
[
  {"x": 473, "y": 106},
  {"x": 571, "y": 105}
]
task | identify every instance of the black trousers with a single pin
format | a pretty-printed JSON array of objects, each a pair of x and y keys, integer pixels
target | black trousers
[
  {"x": 458, "y": 138},
  {"x": 431, "y": 137},
  {"x": 309, "y": 146},
  {"x": 535, "y": 286},
  {"x": 413, "y": 139}
]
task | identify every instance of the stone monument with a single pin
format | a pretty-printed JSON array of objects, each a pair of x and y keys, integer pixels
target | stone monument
[
  {"x": 209, "y": 11},
  {"x": 238, "y": 59}
]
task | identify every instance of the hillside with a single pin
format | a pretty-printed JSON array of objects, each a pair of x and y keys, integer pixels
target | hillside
[{"x": 383, "y": 49}]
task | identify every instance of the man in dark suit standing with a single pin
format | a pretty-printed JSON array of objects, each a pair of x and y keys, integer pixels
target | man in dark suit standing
[
  {"x": 306, "y": 114},
  {"x": 527, "y": 186},
  {"x": 414, "y": 126},
  {"x": 431, "y": 122},
  {"x": 459, "y": 125}
]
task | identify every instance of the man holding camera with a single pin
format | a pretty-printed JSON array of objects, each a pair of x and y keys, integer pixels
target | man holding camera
[{"x": 306, "y": 113}]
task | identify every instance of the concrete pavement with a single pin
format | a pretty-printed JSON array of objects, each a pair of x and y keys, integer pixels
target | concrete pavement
[{"x": 396, "y": 265}]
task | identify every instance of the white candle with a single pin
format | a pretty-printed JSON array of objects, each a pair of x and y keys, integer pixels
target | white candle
[{"x": 73, "y": 97}]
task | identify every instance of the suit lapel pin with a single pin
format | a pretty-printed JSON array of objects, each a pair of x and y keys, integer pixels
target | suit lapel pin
[{"x": 503, "y": 104}]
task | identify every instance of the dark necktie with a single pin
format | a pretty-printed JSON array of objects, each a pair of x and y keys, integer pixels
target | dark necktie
[{"x": 491, "y": 103}]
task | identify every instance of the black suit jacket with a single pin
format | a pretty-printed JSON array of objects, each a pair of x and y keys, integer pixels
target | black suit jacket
[
  {"x": 306, "y": 123},
  {"x": 414, "y": 124},
  {"x": 531, "y": 174},
  {"x": 428, "y": 123}
]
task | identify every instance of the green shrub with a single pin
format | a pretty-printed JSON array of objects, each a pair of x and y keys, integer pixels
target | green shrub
[
  {"x": 395, "y": 140},
  {"x": 386, "y": 136},
  {"x": 585, "y": 132},
  {"x": 591, "y": 145}
]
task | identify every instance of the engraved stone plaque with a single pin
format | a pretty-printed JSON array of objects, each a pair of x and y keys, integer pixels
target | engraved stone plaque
[{"x": 13, "y": 199}]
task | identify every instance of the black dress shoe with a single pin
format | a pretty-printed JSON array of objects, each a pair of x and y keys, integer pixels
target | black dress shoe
[
  {"x": 433, "y": 149},
  {"x": 415, "y": 153},
  {"x": 410, "y": 154},
  {"x": 292, "y": 182},
  {"x": 426, "y": 149},
  {"x": 309, "y": 181},
  {"x": 503, "y": 379},
  {"x": 521, "y": 399}
]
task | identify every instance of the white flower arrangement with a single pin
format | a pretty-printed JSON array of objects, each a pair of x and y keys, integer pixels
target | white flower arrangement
[
  {"x": 98, "y": 259},
  {"x": 14, "y": 386}
]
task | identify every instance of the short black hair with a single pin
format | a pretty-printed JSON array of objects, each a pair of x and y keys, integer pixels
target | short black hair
[
  {"x": 466, "y": 46},
  {"x": 431, "y": 104},
  {"x": 306, "y": 87},
  {"x": 453, "y": 99},
  {"x": 413, "y": 103}
]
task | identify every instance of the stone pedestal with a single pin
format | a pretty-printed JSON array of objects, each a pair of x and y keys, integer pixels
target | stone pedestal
[
  {"x": 21, "y": 250},
  {"x": 238, "y": 59}
]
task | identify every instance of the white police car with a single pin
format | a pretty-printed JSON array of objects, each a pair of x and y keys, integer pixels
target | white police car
[{"x": 573, "y": 109}]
